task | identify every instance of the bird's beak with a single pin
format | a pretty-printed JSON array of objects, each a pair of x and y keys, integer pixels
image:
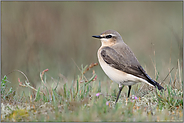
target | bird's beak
[{"x": 97, "y": 36}]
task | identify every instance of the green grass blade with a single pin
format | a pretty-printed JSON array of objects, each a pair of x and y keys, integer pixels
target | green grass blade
[
  {"x": 53, "y": 95},
  {"x": 64, "y": 87},
  {"x": 77, "y": 86},
  {"x": 37, "y": 95},
  {"x": 99, "y": 86},
  {"x": 90, "y": 80}
]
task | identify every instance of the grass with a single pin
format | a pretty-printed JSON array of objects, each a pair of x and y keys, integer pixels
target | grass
[{"x": 85, "y": 99}]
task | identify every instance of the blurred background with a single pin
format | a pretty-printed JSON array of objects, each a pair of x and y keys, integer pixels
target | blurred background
[{"x": 54, "y": 35}]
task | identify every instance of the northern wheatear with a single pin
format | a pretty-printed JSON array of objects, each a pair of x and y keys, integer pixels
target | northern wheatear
[{"x": 119, "y": 62}]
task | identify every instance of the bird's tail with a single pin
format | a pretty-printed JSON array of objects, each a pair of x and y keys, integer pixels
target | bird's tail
[
  {"x": 151, "y": 81},
  {"x": 156, "y": 84}
]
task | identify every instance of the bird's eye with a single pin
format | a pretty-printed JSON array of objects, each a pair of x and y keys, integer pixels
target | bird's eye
[{"x": 108, "y": 36}]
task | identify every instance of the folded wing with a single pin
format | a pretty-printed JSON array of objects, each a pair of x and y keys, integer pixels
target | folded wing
[{"x": 126, "y": 64}]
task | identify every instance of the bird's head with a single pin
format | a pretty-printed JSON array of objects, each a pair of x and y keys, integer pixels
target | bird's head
[{"x": 109, "y": 37}]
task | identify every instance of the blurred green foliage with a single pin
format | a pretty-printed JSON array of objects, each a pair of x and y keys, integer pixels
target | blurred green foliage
[
  {"x": 5, "y": 93},
  {"x": 40, "y": 35},
  {"x": 84, "y": 101}
]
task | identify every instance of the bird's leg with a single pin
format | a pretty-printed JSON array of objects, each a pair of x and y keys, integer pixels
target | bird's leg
[
  {"x": 129, "y": 88},
  {"x": 120, "y": 89}
]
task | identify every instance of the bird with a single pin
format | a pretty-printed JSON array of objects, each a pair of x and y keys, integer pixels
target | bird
[{"x": 119, "y": 62}]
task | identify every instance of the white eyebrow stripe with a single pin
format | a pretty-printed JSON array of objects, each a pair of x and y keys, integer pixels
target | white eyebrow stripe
[
  {"x": 106, "y": 35},
  {"x": 112, "y": 34}
]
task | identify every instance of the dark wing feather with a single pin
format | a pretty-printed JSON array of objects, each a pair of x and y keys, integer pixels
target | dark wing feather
[
  {"x": 129, "y": 65},
  {"x": 152, "y": 81}
]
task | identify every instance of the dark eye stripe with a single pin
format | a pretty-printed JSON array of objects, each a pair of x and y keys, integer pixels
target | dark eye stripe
[{"x": 108, "y": 36}]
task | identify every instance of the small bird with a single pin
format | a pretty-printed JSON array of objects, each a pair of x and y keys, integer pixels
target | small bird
[{"x": 119, "y": 62}]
